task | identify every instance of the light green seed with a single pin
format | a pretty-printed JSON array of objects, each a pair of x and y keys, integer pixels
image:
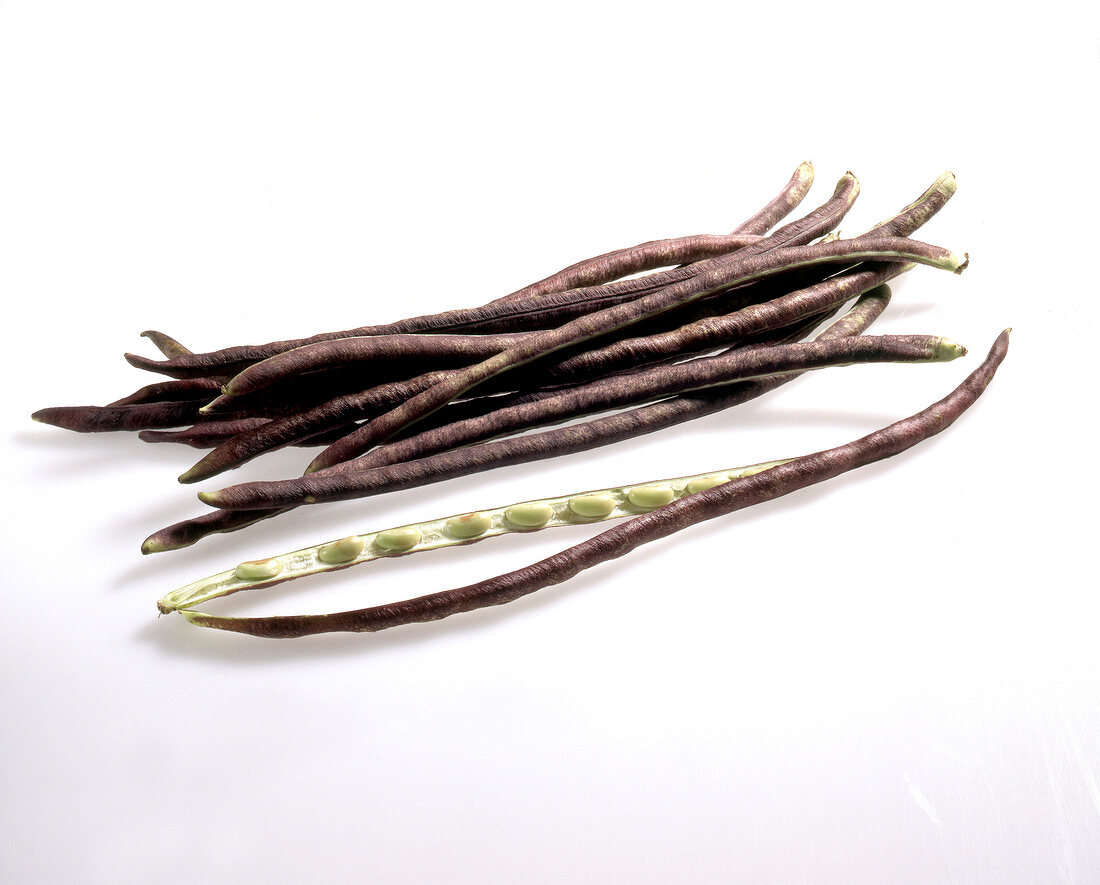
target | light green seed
[
  {"x": 530, "y": 515},
  {"x": 592, "y": 506},
  {"x": 256, "y": 569},
  {"x": 398, "y": 539},
  {"x": 650, "y": 497},
  {"x": 705, "y": 482},
  {"x": 468, "y": 526},
  {"x": 344, "y": 550}
]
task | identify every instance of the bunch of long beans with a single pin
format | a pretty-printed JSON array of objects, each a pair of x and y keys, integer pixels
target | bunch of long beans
[{"x": 433, "y": 397}]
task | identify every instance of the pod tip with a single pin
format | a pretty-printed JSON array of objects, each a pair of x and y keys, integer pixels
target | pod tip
[
  {"x": 949, "y": 350},
  {"x": 195, "y": 473},
  {"x": 216, "y": 403},
  {"x": 141, "y": 362}
]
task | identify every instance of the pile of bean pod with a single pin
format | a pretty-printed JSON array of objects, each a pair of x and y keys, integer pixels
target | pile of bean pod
[{"x": 424, "y": 399}]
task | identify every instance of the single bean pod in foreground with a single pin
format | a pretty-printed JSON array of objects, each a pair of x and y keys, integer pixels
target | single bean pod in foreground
[{"x": 724, "y": 497}]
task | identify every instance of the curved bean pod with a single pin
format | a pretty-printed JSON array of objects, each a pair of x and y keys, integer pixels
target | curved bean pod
[
  {"x": 635, "y": 259},
  {"x": 176, "y": 390},
  {"x": 436, "y": 351},
  {"x": 213, "y": 433},
  {"x": 139, "y": 416},
  {"x": 464, "y": 528},
  {"x": 783, "y": 204},
  {"x": 683, "y": 250},
  {"x": 720, "y": 500},
  {"x": 206, "y": 434}
]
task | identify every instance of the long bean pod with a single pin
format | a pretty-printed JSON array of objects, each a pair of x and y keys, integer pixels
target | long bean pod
[
  {"x": 593, "y": 506},
  {"x": 213, "y": 433},
  {"x": 782, "y": 204},
  {"x": 137, "y": 416},
  {"x": 683, "y": 250},
  {"x": 427, "y": 351},
  {"x": 659, "y": 383},
  {"x": 175, "y": 390},
  {"x": 737, "y": 494},
  {"x": 634, "y": 259}
]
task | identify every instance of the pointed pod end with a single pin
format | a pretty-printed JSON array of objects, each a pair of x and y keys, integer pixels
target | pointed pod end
[
  {"x": 65, "y": 417},
  {"x": 142, "y": 362},
  {"x": 196, "y": 473},
  {"x": 199, "y": 619},
  {"x": 152, "y": 545},
  {"x": 964, "y": 264},
  {"x": 210, "y": 498},
  {"x": 947, "y": 350},
  {"x": 216, "y": 403}
]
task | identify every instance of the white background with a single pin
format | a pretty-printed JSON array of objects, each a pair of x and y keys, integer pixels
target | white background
[{"x": 892, "y": 677}]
